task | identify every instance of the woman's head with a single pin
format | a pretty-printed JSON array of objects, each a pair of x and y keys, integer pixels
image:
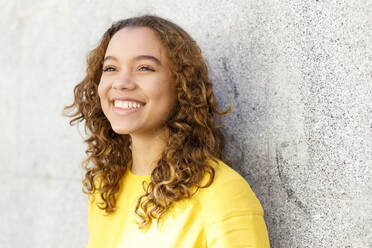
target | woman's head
[
  {"x": 186, "y": 108},
  {"x": 137, "y": 89}
]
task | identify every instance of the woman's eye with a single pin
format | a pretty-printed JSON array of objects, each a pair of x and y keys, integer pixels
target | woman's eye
[
  {"x": 108, "y": 68},
  {"x": 145, "y": 68}
]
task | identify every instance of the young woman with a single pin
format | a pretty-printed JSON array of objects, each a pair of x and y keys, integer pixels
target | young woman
[{"x": 155, "y": 170}]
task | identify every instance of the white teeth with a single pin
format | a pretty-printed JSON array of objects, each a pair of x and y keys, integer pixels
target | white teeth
[{"x": 126, "y": 104}]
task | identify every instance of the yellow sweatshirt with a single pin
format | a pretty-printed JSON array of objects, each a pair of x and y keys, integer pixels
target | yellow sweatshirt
[{"x": 226, "y": 214}]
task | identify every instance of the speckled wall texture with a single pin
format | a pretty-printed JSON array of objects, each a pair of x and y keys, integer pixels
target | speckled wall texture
[{"x": 299, "y": 73}]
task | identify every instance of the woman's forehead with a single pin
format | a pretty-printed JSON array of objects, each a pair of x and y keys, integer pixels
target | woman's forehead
[{"x": 135, "y": 41}]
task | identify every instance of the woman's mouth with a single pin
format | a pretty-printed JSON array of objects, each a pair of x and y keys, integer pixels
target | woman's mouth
[{"x": 126, "y": 107}]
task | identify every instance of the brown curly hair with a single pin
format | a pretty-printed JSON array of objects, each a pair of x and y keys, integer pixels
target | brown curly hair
[{"x": 194, "y": 135}]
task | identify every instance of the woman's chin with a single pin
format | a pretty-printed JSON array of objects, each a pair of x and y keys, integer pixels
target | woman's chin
[{"x": 122, "y": 130}]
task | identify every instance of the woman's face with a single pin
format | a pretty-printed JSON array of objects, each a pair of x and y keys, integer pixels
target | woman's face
[{"x": 136, "y": 90}]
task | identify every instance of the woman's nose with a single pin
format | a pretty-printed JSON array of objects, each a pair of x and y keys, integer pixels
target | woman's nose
[{"x": 123, "y": 81}]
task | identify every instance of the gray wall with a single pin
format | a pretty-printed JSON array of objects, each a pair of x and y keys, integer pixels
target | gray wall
[{"x": 298, "y": 72}]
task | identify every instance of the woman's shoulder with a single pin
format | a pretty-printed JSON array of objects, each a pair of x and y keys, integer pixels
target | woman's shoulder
[
  {"x": 232, "y": 214},
  {"x": 229, "y": 190},
  {"x": 224, "y": 172}
]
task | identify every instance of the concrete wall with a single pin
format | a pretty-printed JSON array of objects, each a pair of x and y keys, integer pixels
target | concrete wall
[{"x": 299, "y": 74}]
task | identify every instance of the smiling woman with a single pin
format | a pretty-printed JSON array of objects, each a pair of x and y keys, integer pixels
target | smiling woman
[
  {"x": 155, "y": 151},
  {"x": 136, "y": 72}
]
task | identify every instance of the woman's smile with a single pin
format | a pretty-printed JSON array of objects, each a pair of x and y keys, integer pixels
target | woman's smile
[{"x": 126, "y": 107}]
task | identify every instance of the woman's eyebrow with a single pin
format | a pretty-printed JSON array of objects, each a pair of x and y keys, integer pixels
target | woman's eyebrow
[
  {"x": 109, "y": 57},
  {"x": 150, "y": 57},
  {"x": 139, "y": 57}
]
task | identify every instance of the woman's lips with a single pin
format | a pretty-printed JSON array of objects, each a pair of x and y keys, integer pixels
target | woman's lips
[
  {"x": 125, "y": 111},
  {"x": 127, "y": 99}
]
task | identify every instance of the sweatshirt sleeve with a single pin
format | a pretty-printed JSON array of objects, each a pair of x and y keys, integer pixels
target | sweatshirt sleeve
[{"x": 235, "y": 217}]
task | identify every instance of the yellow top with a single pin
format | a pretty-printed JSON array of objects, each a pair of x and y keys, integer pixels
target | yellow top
[{"x": 226, "y": 214}]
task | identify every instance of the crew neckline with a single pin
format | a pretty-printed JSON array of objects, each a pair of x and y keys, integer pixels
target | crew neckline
[
  {"x": 129, "y": 169},
  {"x": 137, "y": 176}
]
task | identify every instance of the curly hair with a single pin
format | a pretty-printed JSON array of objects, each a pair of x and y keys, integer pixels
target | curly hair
[{"x": 194, "y": 134}]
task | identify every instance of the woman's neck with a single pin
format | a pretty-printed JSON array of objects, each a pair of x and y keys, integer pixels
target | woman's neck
[{"x": 146, "y": 152}]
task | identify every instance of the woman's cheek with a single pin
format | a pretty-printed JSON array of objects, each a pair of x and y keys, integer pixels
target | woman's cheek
[{"x": 102, "y": 88}]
